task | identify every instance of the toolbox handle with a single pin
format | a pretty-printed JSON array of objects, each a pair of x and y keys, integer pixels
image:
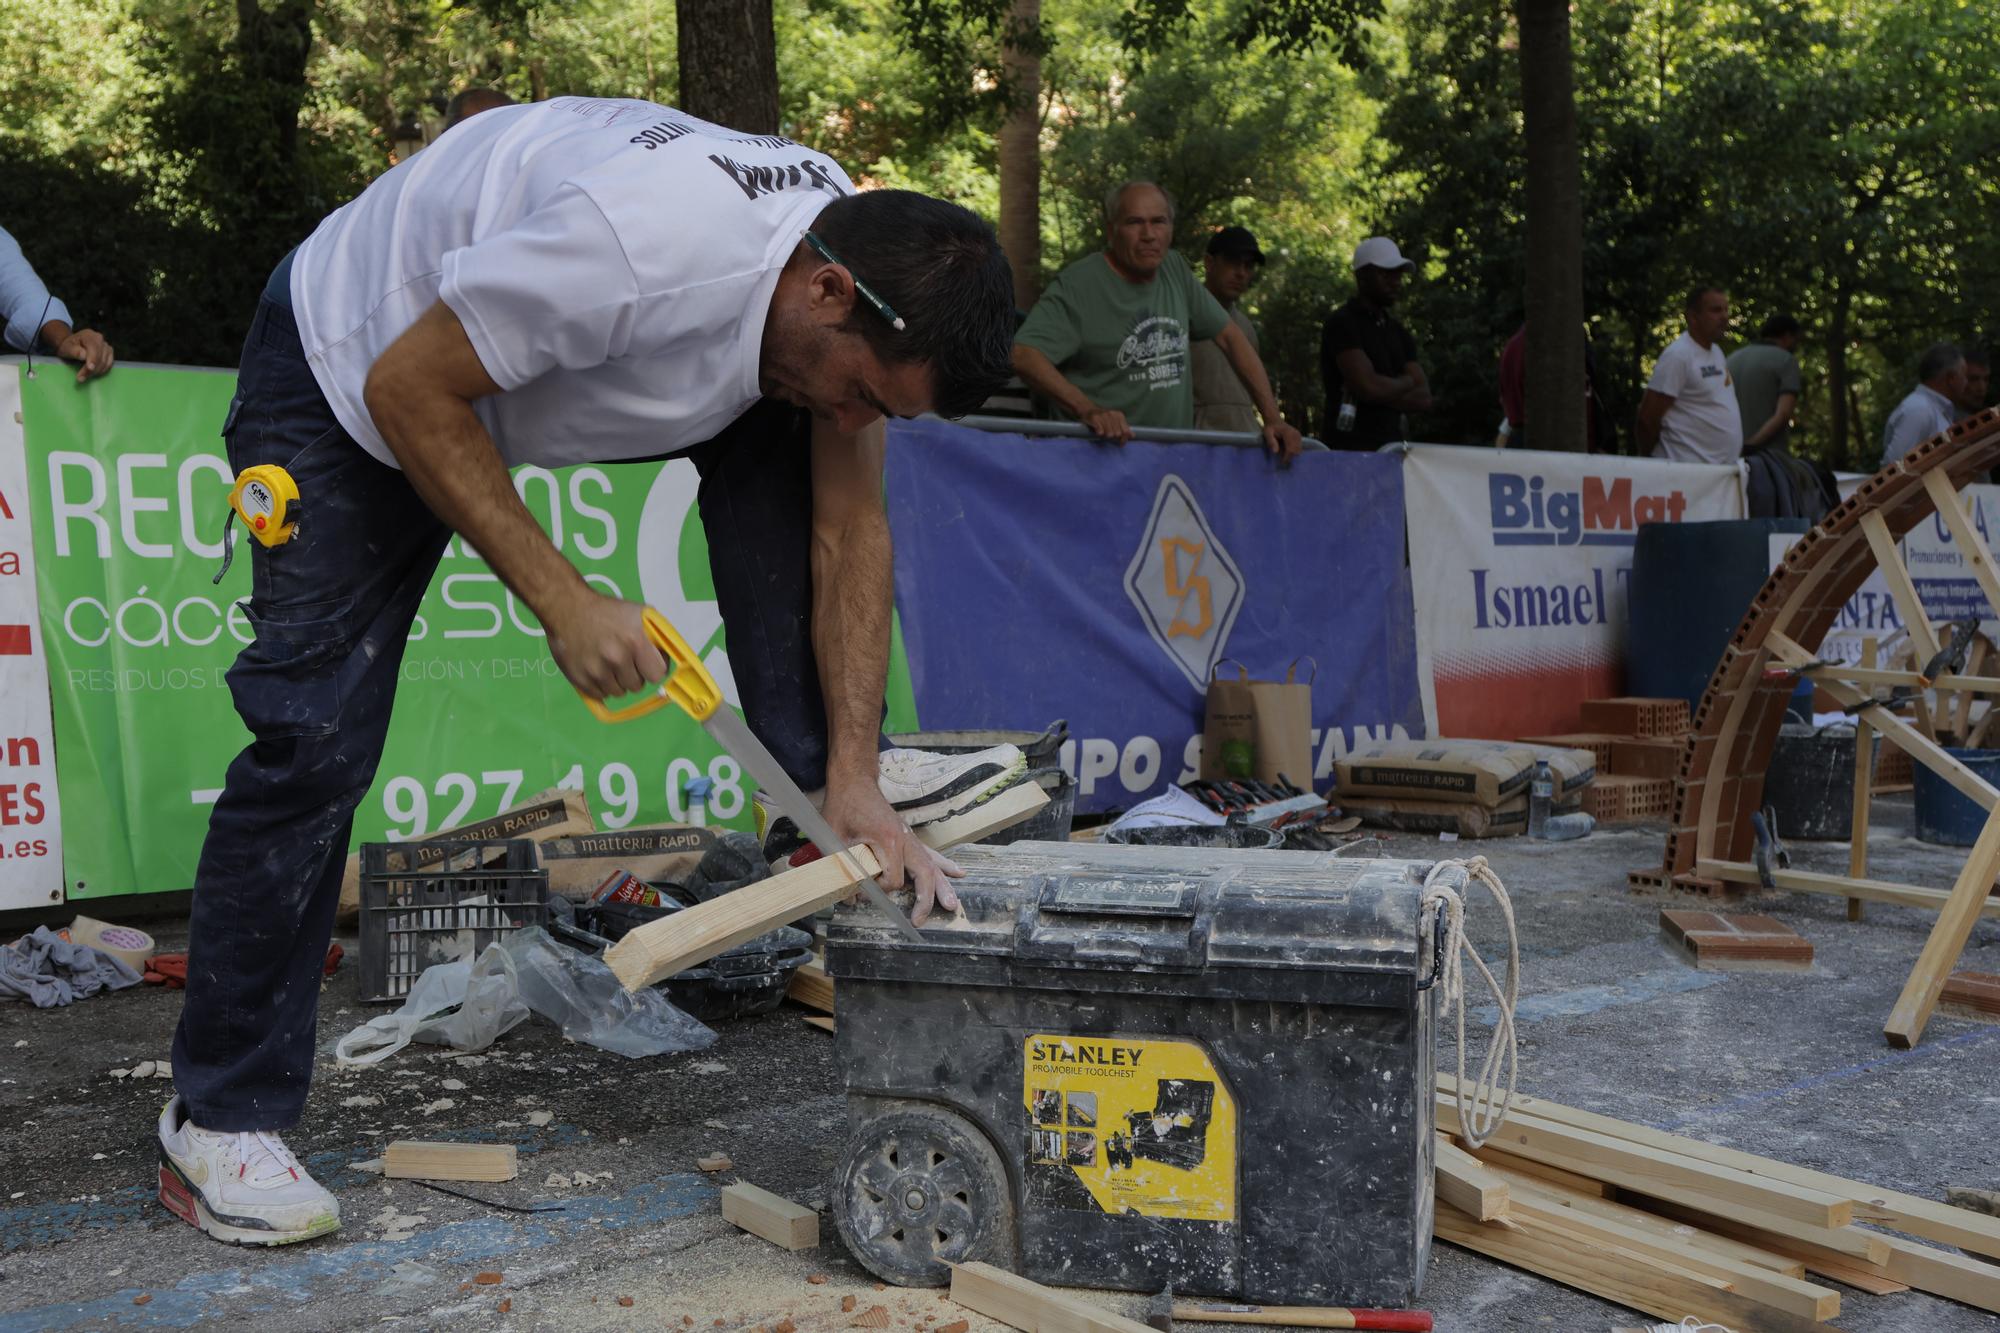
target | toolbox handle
[{"x": 1055, "y": 924}]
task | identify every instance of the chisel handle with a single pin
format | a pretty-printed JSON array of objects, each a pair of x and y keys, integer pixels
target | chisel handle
[{"x": 1302, "y": 1316}]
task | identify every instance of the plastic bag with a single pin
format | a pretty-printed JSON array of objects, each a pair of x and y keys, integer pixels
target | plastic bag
[
  {"x": 463, "y": 1005},
  {"x": 583, "y": 997}
]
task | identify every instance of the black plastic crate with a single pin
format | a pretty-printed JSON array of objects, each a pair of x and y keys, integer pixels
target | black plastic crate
[{"x": 418, "y": 908}]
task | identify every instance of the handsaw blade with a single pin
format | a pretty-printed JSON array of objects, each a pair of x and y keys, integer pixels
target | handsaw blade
[{"x": 733, "y": 736}]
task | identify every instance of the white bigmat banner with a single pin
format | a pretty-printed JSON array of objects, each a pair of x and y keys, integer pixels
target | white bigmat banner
[
  {"x": 30, "y": 825},
  {"x": 1519, "y": 562}
]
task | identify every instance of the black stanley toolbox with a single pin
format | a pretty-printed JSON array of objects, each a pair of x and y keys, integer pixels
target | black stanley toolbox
[{"x": 1124, "y": 1067}]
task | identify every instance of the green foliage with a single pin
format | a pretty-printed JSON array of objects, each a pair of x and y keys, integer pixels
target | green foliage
[
  {"x": 1831, "y": 159},
  {"x": 1836, "y": 159}
]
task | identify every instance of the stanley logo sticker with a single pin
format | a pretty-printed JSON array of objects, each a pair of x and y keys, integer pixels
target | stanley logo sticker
[{"x": 1128, "y": 1125}]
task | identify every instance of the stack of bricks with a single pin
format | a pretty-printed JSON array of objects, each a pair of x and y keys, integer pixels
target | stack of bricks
[{"x": 1638, "y": 744}]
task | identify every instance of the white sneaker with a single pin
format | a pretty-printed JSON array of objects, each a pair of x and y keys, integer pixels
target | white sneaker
[
  {"x": 245, "y": 1188},
  {"x": 925, "y": 787}
]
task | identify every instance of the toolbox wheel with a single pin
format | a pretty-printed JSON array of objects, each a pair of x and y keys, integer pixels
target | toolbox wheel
[{"x": 918, "y": 1189}]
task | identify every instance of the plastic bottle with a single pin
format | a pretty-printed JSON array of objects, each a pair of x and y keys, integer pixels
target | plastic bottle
[
  {"x": 1345, "y": 419},
  {"x": 1541, "y": 795},
  {"x": 1563, "y": 828}
]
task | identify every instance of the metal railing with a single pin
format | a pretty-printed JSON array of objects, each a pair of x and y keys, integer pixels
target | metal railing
[{"x": 1076, "y": 430}]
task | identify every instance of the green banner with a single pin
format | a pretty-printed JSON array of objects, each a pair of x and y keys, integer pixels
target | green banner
[{"x": 129, "y": 480}]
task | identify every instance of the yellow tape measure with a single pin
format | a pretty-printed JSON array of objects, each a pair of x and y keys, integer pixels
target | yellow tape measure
[{"x": 267, "y": 500}]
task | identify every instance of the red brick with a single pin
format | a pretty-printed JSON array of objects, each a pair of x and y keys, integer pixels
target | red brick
[
  {"x": 1631, "y": 716},
  {"x": 1972, "y": 995},
  {"x": 1649, "y": 758},
  {"x": 1598, "y": 745}
]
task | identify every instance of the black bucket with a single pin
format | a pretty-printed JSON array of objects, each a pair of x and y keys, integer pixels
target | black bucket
[
  {"x": 1809, "y": 784},
  {"x": 1040, "y": 747},
  {"x": 1053, "y": 821}
]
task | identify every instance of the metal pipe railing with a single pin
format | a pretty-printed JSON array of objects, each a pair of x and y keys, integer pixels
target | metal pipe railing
[{"x": 1076, "y": 430}]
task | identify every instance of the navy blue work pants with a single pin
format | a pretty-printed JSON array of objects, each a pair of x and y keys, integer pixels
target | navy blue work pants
[{"x": 332, "y": 610}]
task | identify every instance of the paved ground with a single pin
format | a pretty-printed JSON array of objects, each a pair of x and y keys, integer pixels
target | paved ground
[{"x": 1790, "y": 1065}]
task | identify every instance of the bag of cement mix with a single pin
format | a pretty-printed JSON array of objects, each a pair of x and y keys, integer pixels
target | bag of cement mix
[
  {"x": 551, "y": 814},
  {"x": 579, "y": 863},
  {"x": 1481, "y": 772},
  {"x": 1259, "y": 729},
  {"x": 1467, "y": 820}
]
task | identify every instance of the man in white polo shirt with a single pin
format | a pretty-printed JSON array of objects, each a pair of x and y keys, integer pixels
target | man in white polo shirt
[
  {"x": 570, "y": 281},
  {"x": 1689, "y": 413}
]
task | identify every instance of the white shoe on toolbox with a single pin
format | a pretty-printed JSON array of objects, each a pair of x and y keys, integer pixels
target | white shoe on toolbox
[
  {"x": 244, "y": 1188},
  {"x": 924, "y": 787}
]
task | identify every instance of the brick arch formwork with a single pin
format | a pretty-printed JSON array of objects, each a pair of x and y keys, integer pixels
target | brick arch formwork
[{"x": 1735, "y": 725}]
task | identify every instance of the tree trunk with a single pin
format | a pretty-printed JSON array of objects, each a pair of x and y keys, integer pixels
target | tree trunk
[
  {"x": 273, "y": 45},
  {"x": 729, "y": 63},
  {"x": 1020, "y": 152},
  {"x": 1839, "y": 422},
  {"x": 1554, "y": 386}
]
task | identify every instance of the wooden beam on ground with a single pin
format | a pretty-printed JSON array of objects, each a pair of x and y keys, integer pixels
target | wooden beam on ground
[
  {"x": 1030, "y": 1306},
  {"x": 771, "y": 1217},
  {"x": 1663, "y": 1175},
  {"x": 1902, "y": 589},
  {"x": 1614, "y": 1274},
  {"x": 413, "y": 1159},
  {"x": 1942, "y": 1273},
  {"x": 1946, "y": 942},
  {"x": 1808, "y": 881},
  {"x": 820, "y": 1021},
  {"x": 659, "y": 949},
  {"x": 1464, "y": 1182},
  {"x": 1909, "y": 1213},
  {"x": 812, "y": 987},
  {"x": 1642, "y": 1233},
  {"x": 1654, "y": 1225},
  {"x": 1854, "y": 1269},
  {"x": 1570, "y": 1181},
  {"x": 1919, "y": 746}
]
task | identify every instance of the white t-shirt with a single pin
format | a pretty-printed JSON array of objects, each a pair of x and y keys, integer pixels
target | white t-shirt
[
  {"x": 1704, "y": 425},
  {"x": 612, "y": 262}
]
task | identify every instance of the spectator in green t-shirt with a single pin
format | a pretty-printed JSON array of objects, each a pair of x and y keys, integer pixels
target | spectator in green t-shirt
[
  {"x": 1108, "y": 341},
  {"x": 1766, "y": 377}
]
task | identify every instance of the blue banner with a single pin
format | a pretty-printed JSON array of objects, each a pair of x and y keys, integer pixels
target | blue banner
[{"x": 1043, "y": 578}]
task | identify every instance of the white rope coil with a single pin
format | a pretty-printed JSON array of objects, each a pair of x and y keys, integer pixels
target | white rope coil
[
  {"x": 1688, "y": 1325},
  {"x": 1482, "y": 1104}
]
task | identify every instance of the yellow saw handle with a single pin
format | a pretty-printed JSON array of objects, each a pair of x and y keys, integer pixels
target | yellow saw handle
[{"x": 688, "y": 682}]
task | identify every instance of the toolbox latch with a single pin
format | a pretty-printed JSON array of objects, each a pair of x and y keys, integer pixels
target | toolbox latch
[{"x": 1156, "y": 920}]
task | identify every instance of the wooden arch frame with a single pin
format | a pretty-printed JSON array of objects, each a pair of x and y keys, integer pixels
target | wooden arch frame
[{"x": 1721, "y": 779}]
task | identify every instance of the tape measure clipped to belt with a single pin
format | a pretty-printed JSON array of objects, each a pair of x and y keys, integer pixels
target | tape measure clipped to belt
[{"x": 267, "y": 500}]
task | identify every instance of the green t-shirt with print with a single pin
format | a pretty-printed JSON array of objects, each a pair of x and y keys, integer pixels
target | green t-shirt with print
[{"x": 1125, "y": 344}]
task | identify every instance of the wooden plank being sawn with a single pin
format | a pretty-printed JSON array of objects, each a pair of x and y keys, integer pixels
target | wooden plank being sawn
[{"x": 659, "y": 949}]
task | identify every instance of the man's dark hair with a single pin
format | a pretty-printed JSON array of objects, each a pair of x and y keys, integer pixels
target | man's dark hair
[
  {"x": 1937, "y": 360},
  {"x": 1780, "y": 326},
  {"x": 1978, "y": 356},
  {"x": 469, "y": 102},
  {"x": 940, "y": 268},
  {"x": 1694, "y": 297}
]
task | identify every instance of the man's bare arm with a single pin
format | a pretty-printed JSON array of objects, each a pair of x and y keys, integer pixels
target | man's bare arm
[
  {"x": 1371, "y": 386},
  {"x": 420, "y": 393},
  {"x": 853, "y": 597},
  {"x": 1652, "y": 408},
  {"x": 1779, "y": 419},
  {"x": 1040, "y": 374}
]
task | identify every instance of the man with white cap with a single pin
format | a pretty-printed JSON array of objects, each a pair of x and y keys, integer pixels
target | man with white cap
[{"x": 1368, "y": 359}]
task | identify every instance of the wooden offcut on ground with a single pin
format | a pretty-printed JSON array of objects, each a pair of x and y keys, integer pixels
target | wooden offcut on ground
[{"x": 1674, "y": 1226}]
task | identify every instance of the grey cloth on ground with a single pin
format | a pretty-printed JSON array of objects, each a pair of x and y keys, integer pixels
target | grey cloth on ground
[{"x": 47, "y": 970}]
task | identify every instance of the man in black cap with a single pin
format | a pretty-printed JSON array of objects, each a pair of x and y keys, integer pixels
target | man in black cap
[{"x": 1221, "y": 399}]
